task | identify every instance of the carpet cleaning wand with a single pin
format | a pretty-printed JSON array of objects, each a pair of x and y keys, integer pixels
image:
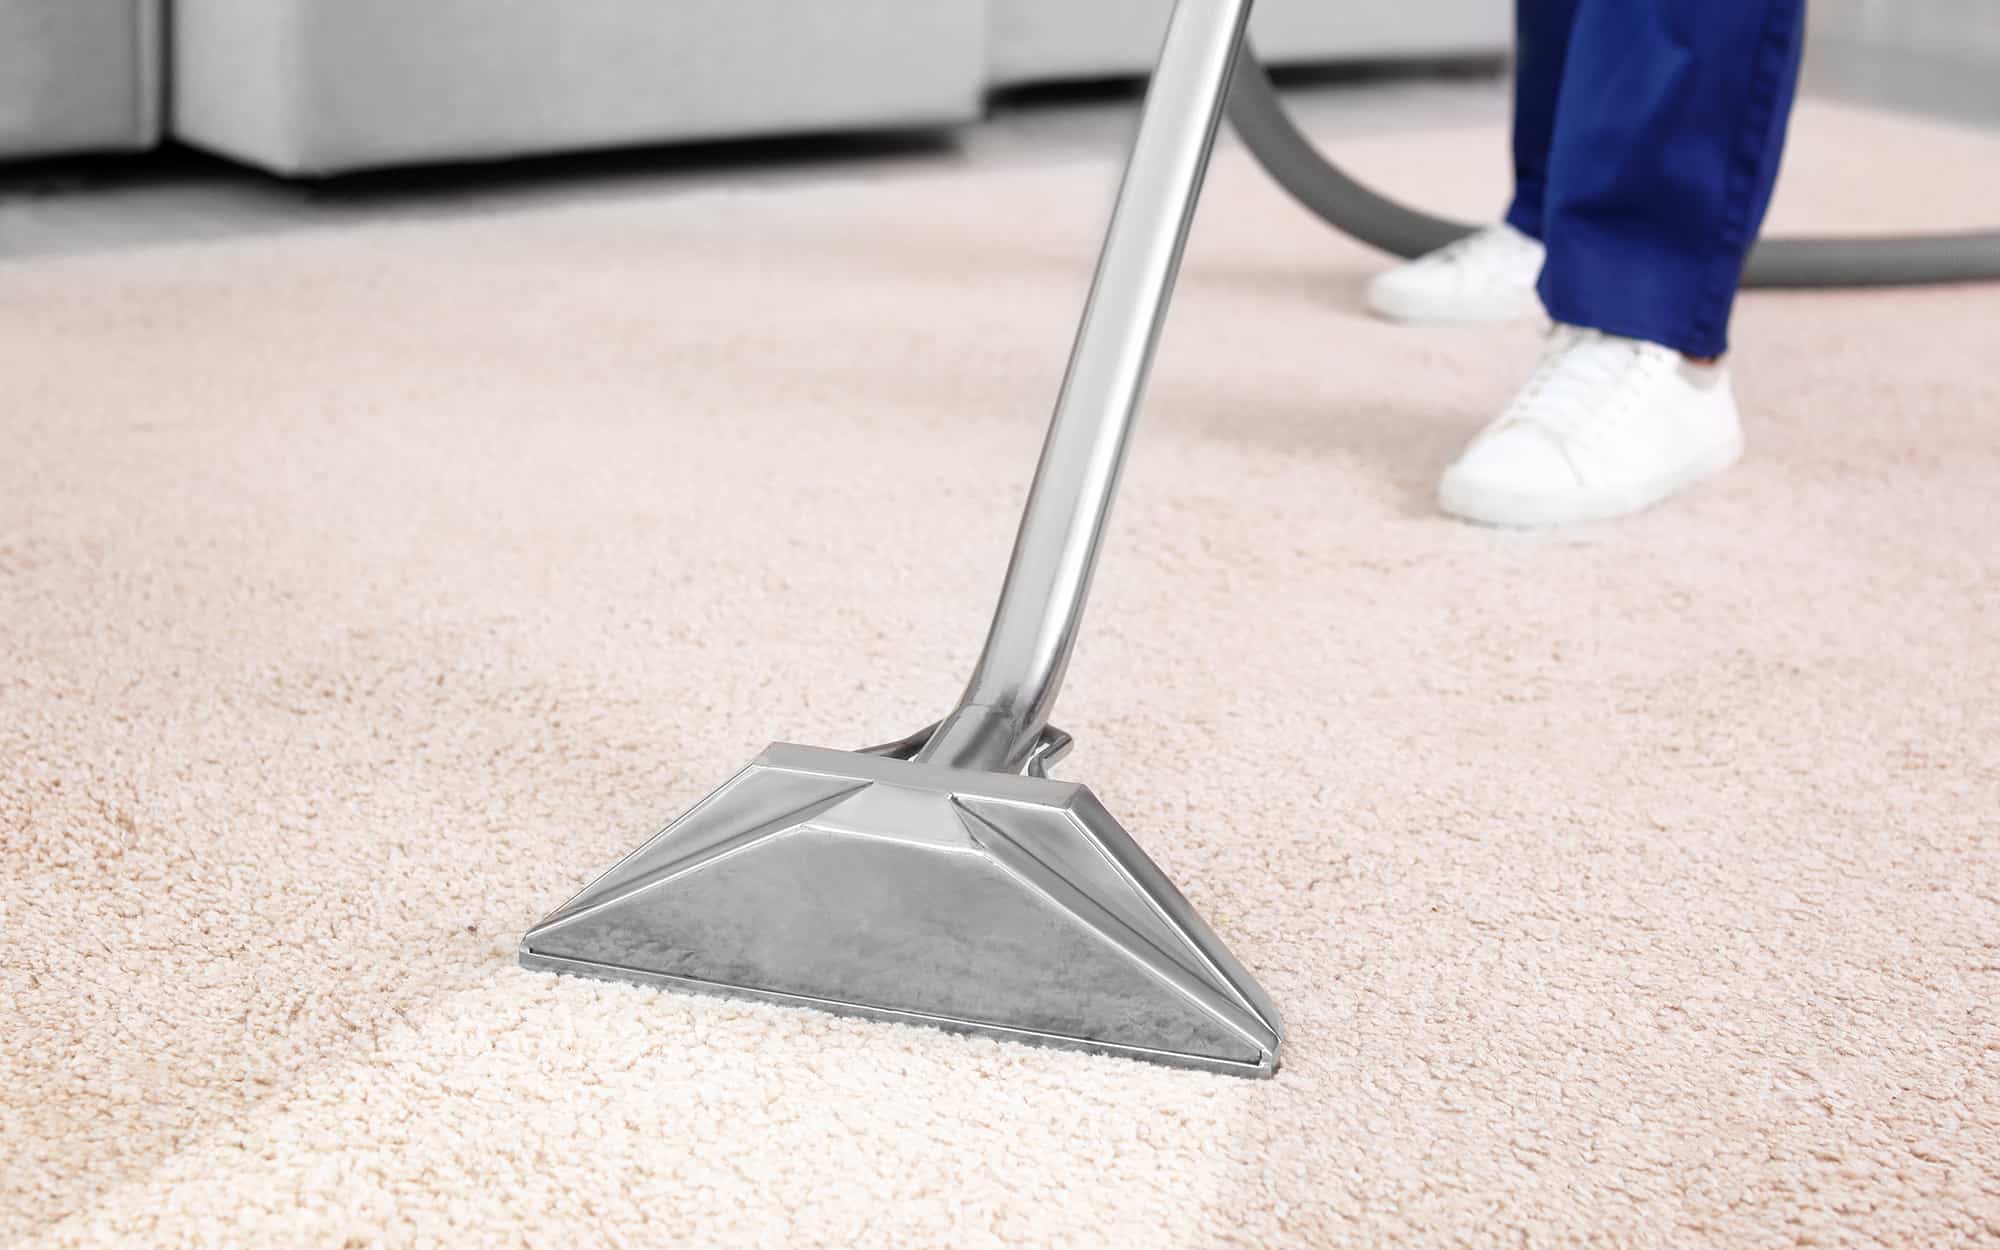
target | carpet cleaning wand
[{"x": 946, "y": 879}]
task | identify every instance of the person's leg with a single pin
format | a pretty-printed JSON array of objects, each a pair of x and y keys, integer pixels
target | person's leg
[
  {"x": 1542, "y": 31},
  {"x": 1665, "y": 148},
  {"x": 1489, "y": 276},
  {"x": 1668, "y": 125}
]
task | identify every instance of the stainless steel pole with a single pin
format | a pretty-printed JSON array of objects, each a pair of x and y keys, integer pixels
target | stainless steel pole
[{"x": 1006, "y": 705}]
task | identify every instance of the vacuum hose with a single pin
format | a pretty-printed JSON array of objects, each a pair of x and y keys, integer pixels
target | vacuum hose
[{"x": 1290, "y": 158}]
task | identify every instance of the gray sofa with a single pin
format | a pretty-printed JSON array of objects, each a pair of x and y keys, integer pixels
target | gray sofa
[
  {"x": 312, "y": 87},
  {"x": 79, "y": 76},
  {"x": 323, "y": 86}
]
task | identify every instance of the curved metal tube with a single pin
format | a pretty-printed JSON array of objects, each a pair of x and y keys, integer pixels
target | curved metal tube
[
  {"x": 1348, "y": 205},
  {"x": 1005, "y": 708}
]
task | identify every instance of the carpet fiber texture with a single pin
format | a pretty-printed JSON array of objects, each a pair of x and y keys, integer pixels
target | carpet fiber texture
[{"x": 364, "y": 592}]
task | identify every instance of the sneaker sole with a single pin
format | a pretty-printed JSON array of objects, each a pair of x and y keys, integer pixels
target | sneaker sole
[{"x": 1507, "y": 509}]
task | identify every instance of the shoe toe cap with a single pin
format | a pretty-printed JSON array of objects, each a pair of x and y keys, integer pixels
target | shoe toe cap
[
  {"x": 1398, "y": 292},
  {"x": 1437, "y": 294},
  {"x": 1517, "y": 459}
]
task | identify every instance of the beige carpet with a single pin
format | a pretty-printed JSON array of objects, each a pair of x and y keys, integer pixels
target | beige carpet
[{"x": 362, "y": 593}]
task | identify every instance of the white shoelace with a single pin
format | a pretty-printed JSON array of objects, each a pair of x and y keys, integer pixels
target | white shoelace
[{"x": 1585, "y": 383}]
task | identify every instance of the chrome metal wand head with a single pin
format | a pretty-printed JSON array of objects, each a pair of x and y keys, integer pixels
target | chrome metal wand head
[{"x": 946, "y": 879}]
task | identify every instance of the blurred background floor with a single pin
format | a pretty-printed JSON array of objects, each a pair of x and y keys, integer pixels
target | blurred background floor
[{"x": 177, "y": 193}]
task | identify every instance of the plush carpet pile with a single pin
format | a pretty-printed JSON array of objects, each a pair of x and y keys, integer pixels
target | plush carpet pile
[{"x": 365, "y": 591}]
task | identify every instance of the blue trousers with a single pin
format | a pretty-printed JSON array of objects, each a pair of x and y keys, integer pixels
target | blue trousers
[{"x": 1646, "y": 142}]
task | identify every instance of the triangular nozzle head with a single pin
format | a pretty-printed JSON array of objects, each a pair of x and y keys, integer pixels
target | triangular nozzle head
[{"x": 980, "y": 902}]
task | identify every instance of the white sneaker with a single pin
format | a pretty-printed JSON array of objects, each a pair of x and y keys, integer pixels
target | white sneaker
[
  {"x": 1486, "y": 276},
  {"x": 1605, "y": 427}
]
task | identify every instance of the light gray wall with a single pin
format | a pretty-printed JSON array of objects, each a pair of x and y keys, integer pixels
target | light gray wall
[
  {"x": 1961, "y": 29},
  {"x": 1051, "y": 40}
]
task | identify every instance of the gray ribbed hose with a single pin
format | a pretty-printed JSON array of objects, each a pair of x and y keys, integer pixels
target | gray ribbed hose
[{"x": 1291, "y": 159}]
